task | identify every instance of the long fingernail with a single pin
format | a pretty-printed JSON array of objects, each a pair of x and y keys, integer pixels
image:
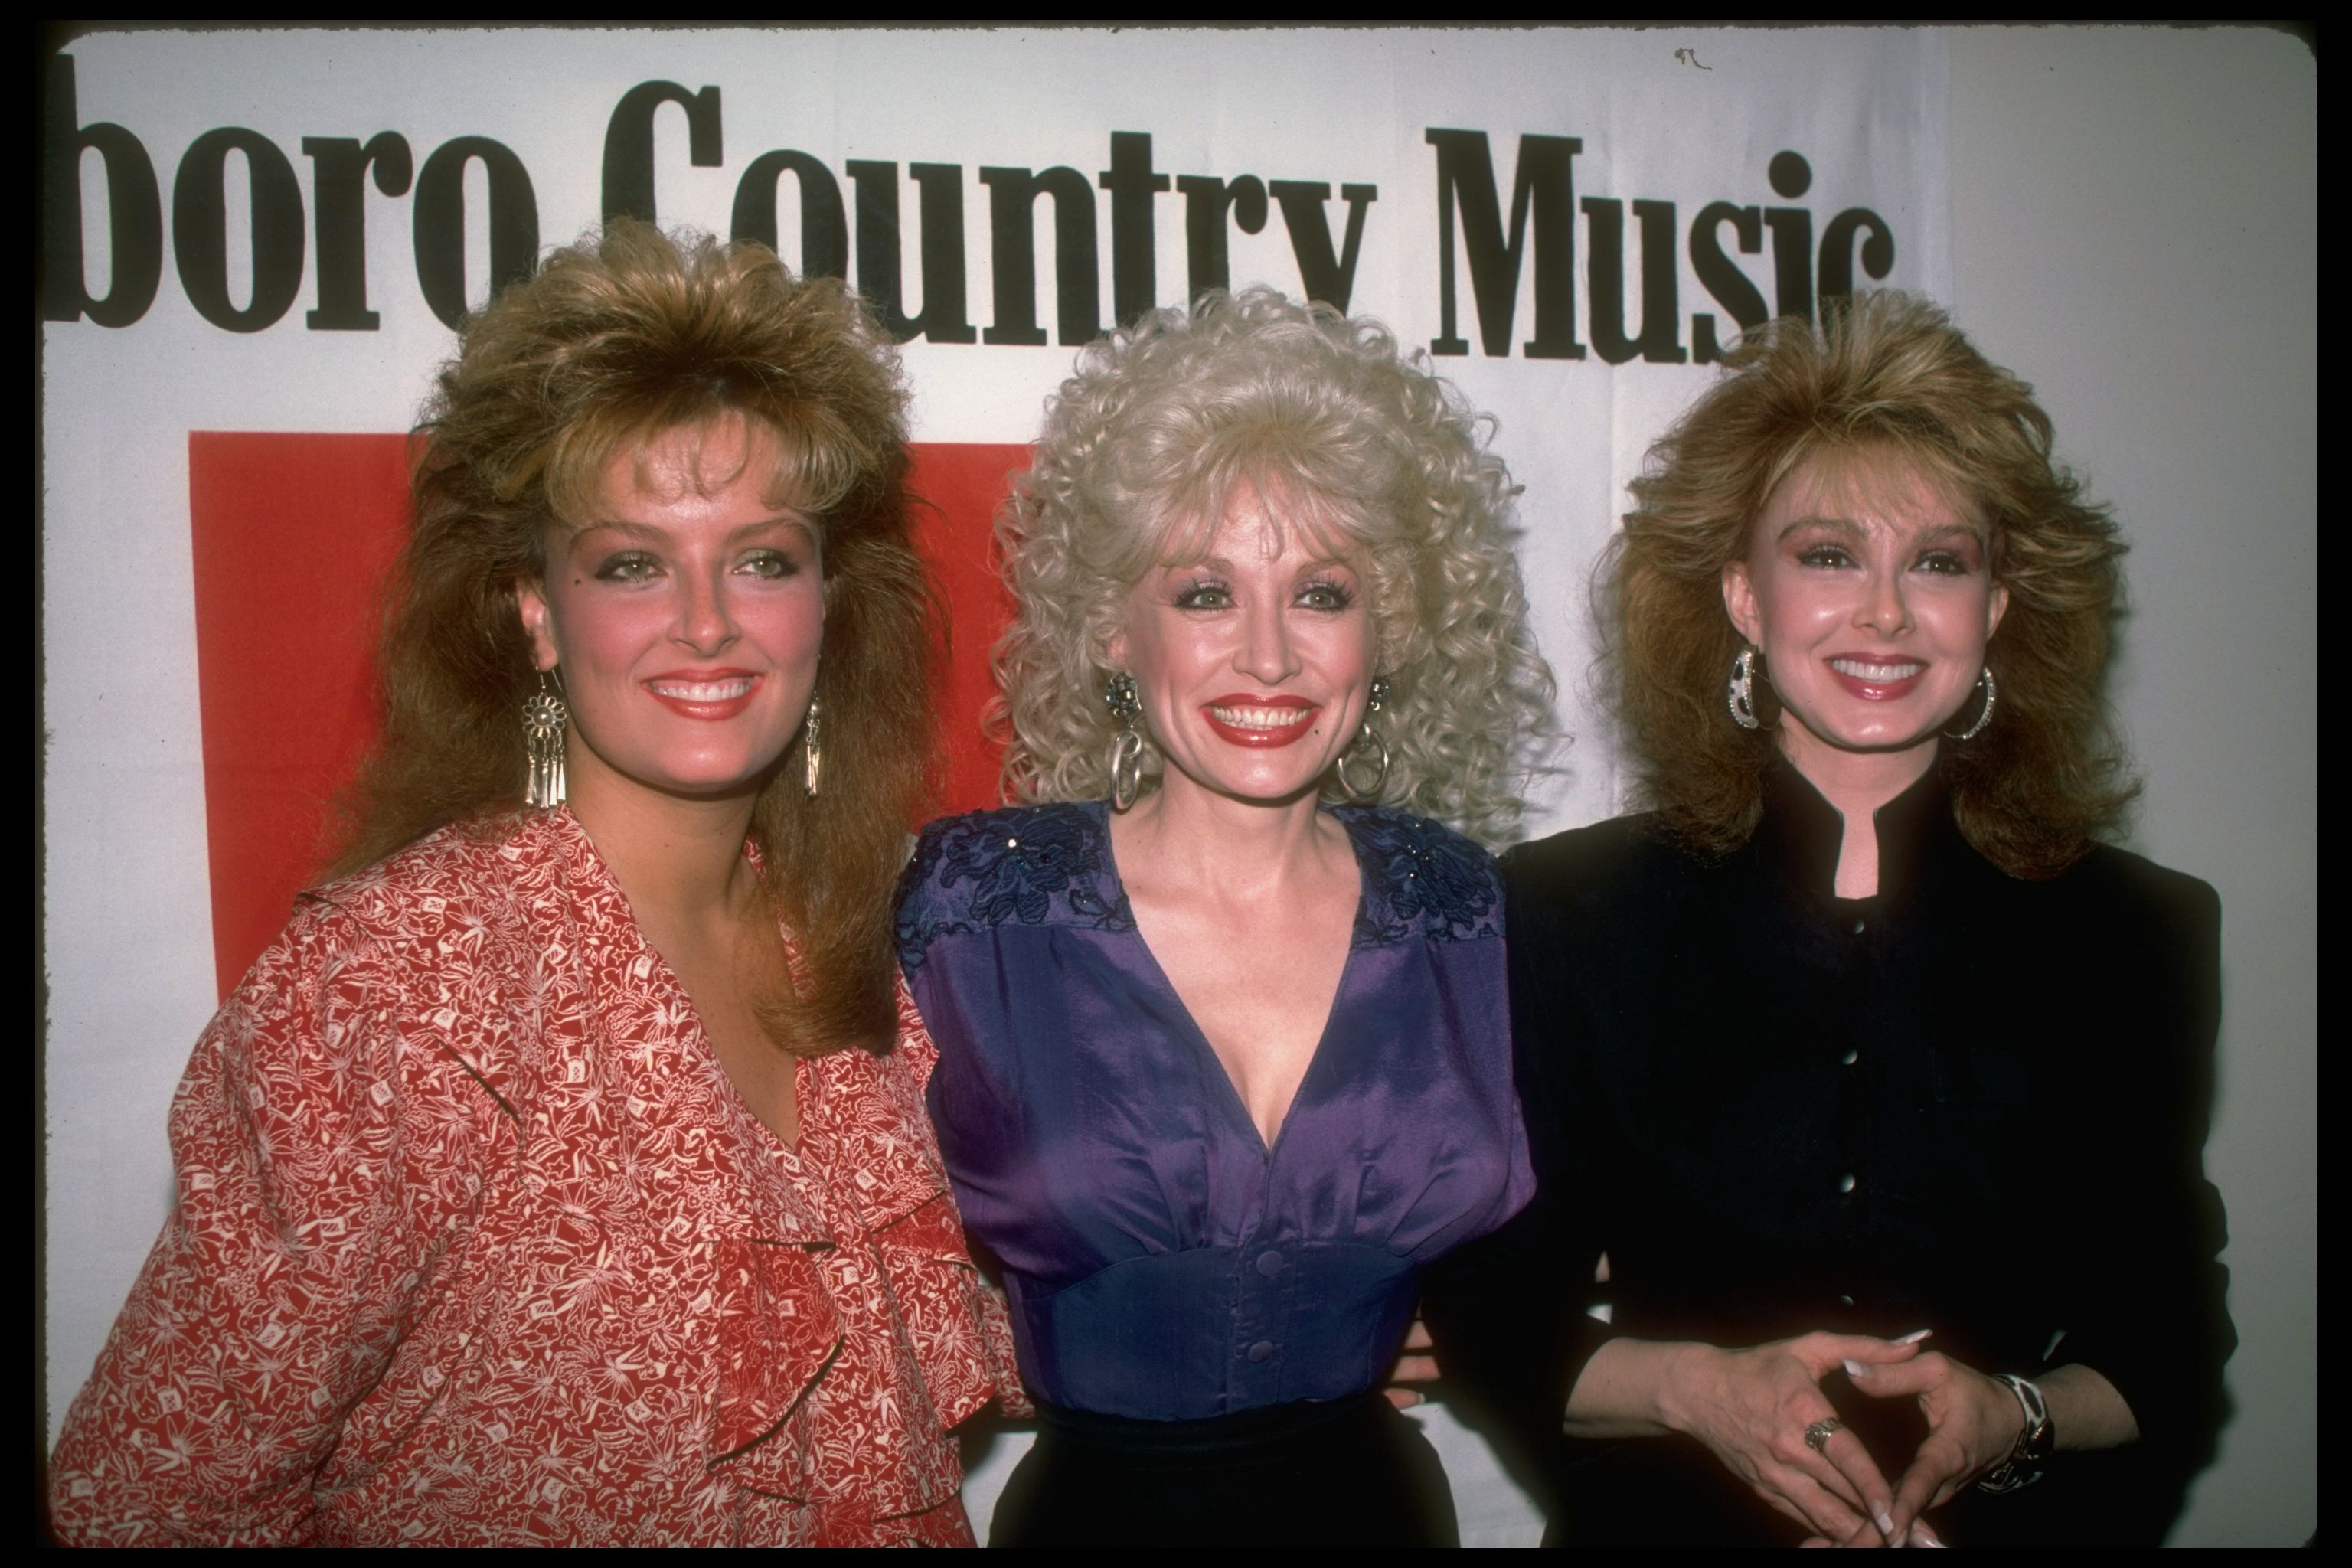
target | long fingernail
[
  {"x": 1923, "y": 1536},
  {"x": 1856, "y": 1369},
  {"x": 1914, "y": 1336},
  {"x": 1885, "y": 1523}
]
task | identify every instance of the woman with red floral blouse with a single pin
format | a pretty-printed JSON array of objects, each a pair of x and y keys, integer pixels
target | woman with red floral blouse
[{"x": 560, "y": 1174}]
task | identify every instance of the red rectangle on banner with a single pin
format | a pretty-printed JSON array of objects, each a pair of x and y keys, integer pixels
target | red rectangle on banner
[{"x": 293, "y": 534}]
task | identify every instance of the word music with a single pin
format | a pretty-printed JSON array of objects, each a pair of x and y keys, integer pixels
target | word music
[
  {"x": 1544, "y": 205},
  {"x": 1536, "y": 237}
]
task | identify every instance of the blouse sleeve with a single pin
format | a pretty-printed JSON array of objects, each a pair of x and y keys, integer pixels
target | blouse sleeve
[
  {"x": 316, "y": 1188},
  {"x": 990, "y": 1308},
  {"x": 1511, "y": 1313},
  {"x": 2146, "y": 1293}
]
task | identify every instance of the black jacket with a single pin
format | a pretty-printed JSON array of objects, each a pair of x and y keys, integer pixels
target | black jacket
[{"x": 1971, "y": 1103}]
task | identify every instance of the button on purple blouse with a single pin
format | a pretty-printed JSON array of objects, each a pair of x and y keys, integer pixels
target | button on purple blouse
[{"x": 1163, "y": 1262}]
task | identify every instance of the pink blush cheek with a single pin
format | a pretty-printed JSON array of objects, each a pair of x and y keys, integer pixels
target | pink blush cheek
[
  {"x": 1342, "y": 652},
  {"x": 789, "y": 630},
  {"x": 1797, "y": 617},
  {"x": 603, "y": 635},
  {"x": 1168, "y": 654}
]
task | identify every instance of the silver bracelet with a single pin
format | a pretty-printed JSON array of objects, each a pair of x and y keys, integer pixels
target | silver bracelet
[{"x": 2022, "y": 1468}]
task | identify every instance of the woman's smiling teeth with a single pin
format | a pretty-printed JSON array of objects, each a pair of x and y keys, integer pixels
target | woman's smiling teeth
[
  {"x": 702, "y": 690},
  {"x": 1261, "y": 717},
  {"x": 1877, "y": 674}
]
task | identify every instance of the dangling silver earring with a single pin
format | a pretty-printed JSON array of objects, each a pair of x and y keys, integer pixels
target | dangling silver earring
[
  {"x": 1741, "y": 692},
  {"x": 1126, "y": 705},
  {"x": 1378, "y": 698},
  {"x": 1983, "y": 719},
  {"x": 544, "y": 717},
  {"x": 814, "y": 759}
]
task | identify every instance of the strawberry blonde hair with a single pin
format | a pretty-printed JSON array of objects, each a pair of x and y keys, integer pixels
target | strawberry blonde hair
[{"x": 613, "y": 342}]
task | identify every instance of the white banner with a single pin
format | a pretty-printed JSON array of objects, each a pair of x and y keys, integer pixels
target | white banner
[{"x": 274, "y": 230}]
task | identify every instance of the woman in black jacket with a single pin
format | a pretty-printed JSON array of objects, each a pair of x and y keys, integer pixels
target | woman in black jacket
[{"x": 1866, "y": 1088}]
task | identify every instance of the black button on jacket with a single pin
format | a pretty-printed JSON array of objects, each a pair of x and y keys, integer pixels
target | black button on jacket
[{"x": 1972, "y": 1104}]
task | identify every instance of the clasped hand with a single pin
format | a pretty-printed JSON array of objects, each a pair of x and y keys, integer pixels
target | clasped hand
[{"x": 1752, "y": 1407}]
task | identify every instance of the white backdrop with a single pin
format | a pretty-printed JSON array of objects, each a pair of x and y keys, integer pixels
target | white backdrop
[{"x": 1687, "y": 118}]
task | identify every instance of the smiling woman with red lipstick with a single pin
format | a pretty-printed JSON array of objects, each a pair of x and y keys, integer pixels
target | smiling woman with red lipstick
[
  {"x": 561, "y": 1176},
  {"x": 1223, "y": 1051},
  {"x": 1863, "y": 1082}
]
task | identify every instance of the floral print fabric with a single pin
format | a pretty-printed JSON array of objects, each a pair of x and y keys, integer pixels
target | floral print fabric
[{"x": 475, "y": 1243}]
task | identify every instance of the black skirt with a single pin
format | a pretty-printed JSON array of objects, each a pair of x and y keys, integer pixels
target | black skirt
[{"x": 1343, "y": 1472}]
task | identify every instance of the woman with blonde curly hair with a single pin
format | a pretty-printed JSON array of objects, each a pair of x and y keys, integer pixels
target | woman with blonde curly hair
[
  {"x": 1221, "y": 1019},
  {"x": 1863, "y": 1082},
  {"x": 560, "y": 1175}
]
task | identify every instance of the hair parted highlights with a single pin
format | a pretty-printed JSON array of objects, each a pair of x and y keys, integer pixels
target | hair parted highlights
[
  {"x": 615, "y": 340},
  {"x": 1148, "y": 444},
  {"x": 1883, "y": 372}
]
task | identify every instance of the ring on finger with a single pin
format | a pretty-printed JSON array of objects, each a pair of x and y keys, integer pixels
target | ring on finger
[{"x": 1817, "y": 1436}]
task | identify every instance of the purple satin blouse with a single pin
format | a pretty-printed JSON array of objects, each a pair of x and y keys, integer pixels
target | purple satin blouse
[{"x": 1163, "y": 1262}]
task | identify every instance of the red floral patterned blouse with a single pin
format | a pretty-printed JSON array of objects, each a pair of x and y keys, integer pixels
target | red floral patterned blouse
[{"x": 475, "y": 1243}]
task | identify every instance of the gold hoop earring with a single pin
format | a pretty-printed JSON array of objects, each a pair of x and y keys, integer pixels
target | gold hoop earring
[{"x": 1126, "y": 705}]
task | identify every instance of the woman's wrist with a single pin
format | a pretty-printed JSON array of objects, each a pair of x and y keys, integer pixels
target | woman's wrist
[
  {"x": 2005, "y": 1410},
  {"x": 1673, "y": 1373},
  {"x": 1634, "y": 1388},
  {"x": 2018, "y": 1421},
  {"x": 1680, "y": 1371}
]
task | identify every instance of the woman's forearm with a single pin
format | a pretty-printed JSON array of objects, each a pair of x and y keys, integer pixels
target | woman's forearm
[
  {"x": 1626, "y": 1389},
  {"x": 2086, "y": 1409}
]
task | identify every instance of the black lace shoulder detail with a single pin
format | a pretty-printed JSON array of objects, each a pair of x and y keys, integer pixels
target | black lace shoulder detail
[
  {"x": 1421, "y": 878},
  {"x": 1029, "y": 865}
]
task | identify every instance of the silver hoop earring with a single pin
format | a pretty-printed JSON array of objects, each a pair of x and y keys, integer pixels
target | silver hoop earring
[
  {"x": 1126, "y": 705},
  {"x": 544, "y": 717},
  {"x": 1741, "y": 692},
  {"x": 1985, "y": 681},
  {"x": 814, "y": 759},
  {"x": 1380, "y": 696}
]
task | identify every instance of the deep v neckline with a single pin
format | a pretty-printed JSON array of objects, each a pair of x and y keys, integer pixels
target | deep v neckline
[{"x": 1235, "y": 1107}]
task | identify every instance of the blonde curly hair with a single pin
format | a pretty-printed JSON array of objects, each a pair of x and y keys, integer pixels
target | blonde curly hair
[{"x": 1165, "y": 423}]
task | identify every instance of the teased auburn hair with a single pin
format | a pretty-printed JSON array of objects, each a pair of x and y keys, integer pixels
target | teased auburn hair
[
  {"x": 1882, "y": 374},
  {"x": 1163, "y": 424},
  {"x": 615, "y": 340}
]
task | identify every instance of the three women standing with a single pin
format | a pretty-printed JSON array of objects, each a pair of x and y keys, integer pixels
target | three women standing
[{"x": 561, "y": 1173}]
